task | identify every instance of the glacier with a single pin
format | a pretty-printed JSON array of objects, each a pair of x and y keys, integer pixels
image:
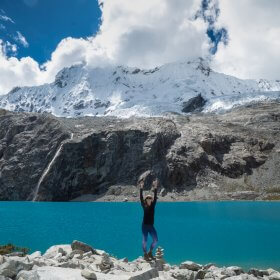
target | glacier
[{"x": 125, "y": 91}]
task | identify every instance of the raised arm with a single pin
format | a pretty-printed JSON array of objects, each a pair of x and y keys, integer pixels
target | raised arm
[
  {"x": 141, "y": 186},
  {"x": 155, "y": 188}
]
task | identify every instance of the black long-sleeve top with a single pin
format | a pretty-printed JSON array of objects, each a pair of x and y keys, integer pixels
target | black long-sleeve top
[{"x": 149, "y": 211}]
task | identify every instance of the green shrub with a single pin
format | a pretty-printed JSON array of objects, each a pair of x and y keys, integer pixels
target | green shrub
[{"x": 10, "y": 248}]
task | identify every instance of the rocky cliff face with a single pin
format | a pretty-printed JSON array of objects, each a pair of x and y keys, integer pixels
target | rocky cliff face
[{"x": 235, "y": 155}]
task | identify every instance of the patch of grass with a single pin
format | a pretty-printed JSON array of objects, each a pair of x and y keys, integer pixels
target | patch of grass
[
  {"x": 272, "y": 197},
  {"x": 274, "y": 189},
  {"x": 11, "y": 248}
]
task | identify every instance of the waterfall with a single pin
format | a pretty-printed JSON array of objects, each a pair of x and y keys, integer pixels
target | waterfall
[{"x": 46, "y": 171}]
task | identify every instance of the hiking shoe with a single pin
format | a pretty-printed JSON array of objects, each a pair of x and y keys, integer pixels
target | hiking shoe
[
  {"x": 150, "y": 255},
  {"x": 146, "y": 257}
]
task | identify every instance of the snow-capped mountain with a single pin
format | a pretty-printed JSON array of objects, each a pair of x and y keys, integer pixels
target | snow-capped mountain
[{"x": 123, "y": 91}]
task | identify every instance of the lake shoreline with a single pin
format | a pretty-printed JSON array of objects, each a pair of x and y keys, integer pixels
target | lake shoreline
[{"x": 80, "y": 261}]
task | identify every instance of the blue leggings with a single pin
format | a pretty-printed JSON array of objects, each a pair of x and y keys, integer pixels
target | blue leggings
[{"x": 145, "y": 230}]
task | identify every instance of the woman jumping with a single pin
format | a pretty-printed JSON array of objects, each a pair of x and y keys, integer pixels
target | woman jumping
[{"x": 148, "y": 205}]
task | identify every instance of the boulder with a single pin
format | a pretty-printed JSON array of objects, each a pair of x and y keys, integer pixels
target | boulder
[
  {"x": 184, "y": 274},
  {"x": 53, "y": 250},
  {"x": 2, "y": 259},
  {"x": 206, "y": 266},
  {"x": 76, "y": 252},
  {"x": 238, "y": 270},
  {"x": 200, "y": 274},
  {"x": 145, "y": 275},
  {"x": 244, "y": 276},
  {"x": 190, "y": 265},
  {"x": 4, "y": 278},
  {"x": 11, "y": 268},
  {"x": 87, "y": 254},
  {"x": 88, "y": 274},
  {"x": 258, "y": 272},
  {"x": 27, "y": 275},
  {"x": 274, "y": 276},
  {"x": 78, "y": 245},
  {"x": 62, "y": 251},
  {"x": 35, "y": 255}
]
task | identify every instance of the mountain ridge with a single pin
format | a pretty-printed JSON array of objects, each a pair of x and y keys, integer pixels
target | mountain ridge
[{"x": 125, "y": 91}]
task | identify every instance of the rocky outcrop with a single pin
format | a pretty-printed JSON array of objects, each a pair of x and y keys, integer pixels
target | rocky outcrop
[
  {"x": 235, "y": 155},
  {"x": 194, "y": 104},
  {"x": 89, "y": 266}
]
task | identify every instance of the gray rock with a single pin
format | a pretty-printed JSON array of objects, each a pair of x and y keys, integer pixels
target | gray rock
[
  {"x": 78, "y": 245},
  {"x": 274, "y": 276},
  {"x": 200, "y": 274},
  {"x": 15, "y": 254},
  {"x": 206, "y": 266},
  {"x": 53, "y": 250},
  {"x": 76, "y": 252},
  {"x": 4, "y": 278},
  {"x": 106, "y": 263},
  {"x": 88, "y": 274},
  {"x": 190, "y": 265},
  {"x": 145, "y": 275},
  {"x": 237, "y": 270},
  {"x": 35, "y": 255},
  {"x": 244, "y": 276},
  {"x": 2, "y": 259},
  {"x": 11, "y": 268},
  {"x": 194, "y": 104},
  {"x": 27, "y": 275},
  {"x": 184, "y": 274},
  {"x": 62, "y": 252},
  {"x": 258, "y": 272}
]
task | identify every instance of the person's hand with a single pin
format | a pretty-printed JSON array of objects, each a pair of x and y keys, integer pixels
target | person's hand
[{"x": 155, "y": 183}]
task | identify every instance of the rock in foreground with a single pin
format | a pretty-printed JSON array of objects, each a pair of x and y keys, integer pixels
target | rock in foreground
[{"x": 60, "y": 262}]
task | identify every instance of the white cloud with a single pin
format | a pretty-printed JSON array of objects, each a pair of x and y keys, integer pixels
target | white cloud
[
  {"x": 25, "y": 71},
  {"x": 21, "y": 39},
  {"x": 254, "y": 44},
  {"x": 144, "y": 33},
  {"x": 6, "y": 18},
  {"x": 149, "y": 33}
]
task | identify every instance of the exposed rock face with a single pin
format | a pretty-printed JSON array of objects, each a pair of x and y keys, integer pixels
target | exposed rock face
[
  {"x": 235, "y": 155},
  {"x": 194, "y": 104}
]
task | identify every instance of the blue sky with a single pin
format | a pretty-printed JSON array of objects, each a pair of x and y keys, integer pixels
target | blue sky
[
  {"x": 44, "y": 23},
  {"x": 136, "y": 33}
]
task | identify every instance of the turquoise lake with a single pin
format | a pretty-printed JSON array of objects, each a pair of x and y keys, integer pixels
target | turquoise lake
[{"x": 226, "y": 233}]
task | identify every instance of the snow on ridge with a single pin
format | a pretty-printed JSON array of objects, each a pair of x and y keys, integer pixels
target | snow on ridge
[
  {"x": 228, "y": 102},
  {"x": 125, "y": 91}
]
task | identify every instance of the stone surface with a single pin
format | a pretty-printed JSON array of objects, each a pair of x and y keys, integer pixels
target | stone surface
[
  {"x": 11, "y": 268},
  {"x": 78, "y": 245},
  {"x": 27, "y": 275},
  {"x": 190, "y": 265},
  {"x": 53, "y": 250},
  {"x": 184, "y": 274},
  {"x": 145, "y": 275},
  {"x": 258, "y": 272},
  {"x": 194, "y": 104},
  {"x": 88, "y": 274}
]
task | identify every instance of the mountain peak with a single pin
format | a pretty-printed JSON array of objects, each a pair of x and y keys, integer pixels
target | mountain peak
[{"x": 126, "y": 91}]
